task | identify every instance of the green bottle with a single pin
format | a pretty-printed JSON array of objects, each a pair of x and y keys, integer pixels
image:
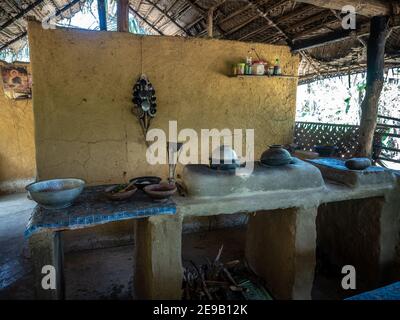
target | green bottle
[{"x": 277, "y": 68}]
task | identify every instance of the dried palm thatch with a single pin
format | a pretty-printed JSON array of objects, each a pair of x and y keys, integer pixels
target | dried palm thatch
[
  {"x": 12, "y": 13},
  {"x": 313, "y": 32}
]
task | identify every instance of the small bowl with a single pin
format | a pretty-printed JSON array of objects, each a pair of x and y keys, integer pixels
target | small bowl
[
  {"x": 161, "y": 191},
  {"x": 119, "y": 196},
  {"x": 141, "y": 182},
  {"x": 55, "y": 193}
]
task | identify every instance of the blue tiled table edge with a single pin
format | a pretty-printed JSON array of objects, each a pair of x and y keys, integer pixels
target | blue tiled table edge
[
  {"x": 390, "y": 292},
  {"x": 76, "y": 223}
]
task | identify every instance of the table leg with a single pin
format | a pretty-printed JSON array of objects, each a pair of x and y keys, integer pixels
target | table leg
[
  {"x": 280, "y": 248},
  {"x": 47, "y": 250},
  {"x": 158, "y": 270}
]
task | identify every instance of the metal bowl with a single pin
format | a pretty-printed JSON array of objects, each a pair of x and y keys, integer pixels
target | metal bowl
[
  {"x": 224, "y": 158},
  {"x": 55, "y": 193}
]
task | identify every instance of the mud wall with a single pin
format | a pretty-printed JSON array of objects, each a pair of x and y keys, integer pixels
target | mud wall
[
  {"x": 17, "y": 145},
  {"x": 82, "y": 97}
]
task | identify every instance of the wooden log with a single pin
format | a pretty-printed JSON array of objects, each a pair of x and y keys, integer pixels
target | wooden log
[
  {"x": 368, "y": 8},
  {"x": 375, "y": 79},
  {"x": 101, "y": 8},
  {"x": 123, "y": 15}
]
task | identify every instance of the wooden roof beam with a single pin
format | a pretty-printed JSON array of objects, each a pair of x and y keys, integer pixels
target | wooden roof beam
[
  {"x": 123, "y": 15},
  {"x": 168, "y": 16},
  {"x": 21, "y": 14},
  {"x": 152, "y": 26},
  {"x": 339, "y": 35},
  {"x": 264, "y": 14},
  {"x": 368, "y": 8},
  {"x": 23, "y": 34}
]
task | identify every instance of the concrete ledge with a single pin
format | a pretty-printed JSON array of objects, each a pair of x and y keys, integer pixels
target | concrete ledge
[
  {"x": 271, "y": 200},
  {"x": 201, "y": 180},
  {"x": 14, "y": 186}
]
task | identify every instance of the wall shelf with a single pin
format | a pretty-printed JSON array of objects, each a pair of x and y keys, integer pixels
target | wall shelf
[{"x": 263, "y": 76}]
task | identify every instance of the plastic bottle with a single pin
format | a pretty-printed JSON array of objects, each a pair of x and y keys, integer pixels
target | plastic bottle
[{"x": 277, "y": 68}]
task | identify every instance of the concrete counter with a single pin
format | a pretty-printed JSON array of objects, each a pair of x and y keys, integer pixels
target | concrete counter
[
  {"x": 282, "y": 231},
  {"x": 280, "y": 243},
  {"x": 281, "y": 199}
]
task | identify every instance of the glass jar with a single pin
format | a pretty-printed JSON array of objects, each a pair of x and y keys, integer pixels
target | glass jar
[{"x": 258, "y": 68}]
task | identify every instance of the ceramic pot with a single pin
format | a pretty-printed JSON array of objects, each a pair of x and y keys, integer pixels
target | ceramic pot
[
  {"x": 119, "y": 196},
  {"x": 161, "y": 191},
  {"x": 358, "y": 163},
  {"x": 276, "y": 155},
  {"x": 326, "y": 151}
]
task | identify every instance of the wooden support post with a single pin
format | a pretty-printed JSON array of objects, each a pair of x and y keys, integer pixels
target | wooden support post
[
  {"x": 375, "y": 79},
  {"x": 123, "y": 15},
  {"x": 101, "y": 8},
  {"x": 210, "y": 18}
]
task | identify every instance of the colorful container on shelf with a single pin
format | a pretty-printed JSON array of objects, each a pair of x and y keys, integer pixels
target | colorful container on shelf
[{"x": 257, "y": 67}]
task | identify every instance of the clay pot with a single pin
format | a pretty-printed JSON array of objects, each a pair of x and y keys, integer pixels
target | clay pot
[
  {"x": 119, "y": 196},
  {"x": 358, "y": 163},
  {"x": 326, "y": 151},
  {"x": 276, "y": 155},
  {"x": 161, "y": 191}
]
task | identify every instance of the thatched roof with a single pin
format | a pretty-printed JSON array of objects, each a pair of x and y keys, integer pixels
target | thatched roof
[
  {"x": 284, "y": 22},
  {"x": 12, "y": 17}
]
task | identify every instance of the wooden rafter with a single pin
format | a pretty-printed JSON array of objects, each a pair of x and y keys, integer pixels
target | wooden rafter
[
  {"x": 167, "y": 10},
  {"x": 168, "y": 16},
  {"x": 145, "y": 21},
  {"x": 264, "y": 14},
  {"x": 202, "y": 12},
  {"x": 339, "y": 35},
  {"x": 23, "y": 34},
  {"x": 368, "y": 8},
  {"x": 21, "y": 14},
  {"x": 282, "y": 20}
]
